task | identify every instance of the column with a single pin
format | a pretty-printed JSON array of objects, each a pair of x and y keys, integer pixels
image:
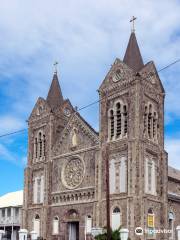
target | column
[
  {"x": 178, "y": 232},
  {"x": 124, "y": 234},
  {"x": 2, "y": 232},
  {"x": 23, "y": 234}
]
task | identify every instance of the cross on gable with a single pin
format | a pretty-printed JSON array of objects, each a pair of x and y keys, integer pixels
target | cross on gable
[
  {"x": 132, "y": 21},
  {"x": 55, "y": 66}
]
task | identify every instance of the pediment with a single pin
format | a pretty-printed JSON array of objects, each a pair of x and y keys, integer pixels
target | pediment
[
  {"x": 150, "y": 74},
  {"x": 40, "y": 110},
  {"x": 118, "y": 74},
  {"x": 76, "y": 131}
]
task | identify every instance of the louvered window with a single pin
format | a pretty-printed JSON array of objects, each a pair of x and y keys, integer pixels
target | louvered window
[
  {"x": 112, "y": 123},
  {"x": 125, "y": 119},
  {"x": 118, "y": 113}
]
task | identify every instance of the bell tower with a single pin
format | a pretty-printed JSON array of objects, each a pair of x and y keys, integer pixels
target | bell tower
[{"x": 132, "y": 125}]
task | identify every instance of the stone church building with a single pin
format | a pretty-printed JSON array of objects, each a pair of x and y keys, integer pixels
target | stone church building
[{"x": 65, "y": 178}]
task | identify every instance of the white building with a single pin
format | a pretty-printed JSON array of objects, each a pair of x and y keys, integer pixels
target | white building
[{"x": 10, "y": 214}]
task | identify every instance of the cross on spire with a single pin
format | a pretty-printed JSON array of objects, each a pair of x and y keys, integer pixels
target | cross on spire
[
  {"x": 132, "y": 21},
  {"x": 55, "y": 66}
]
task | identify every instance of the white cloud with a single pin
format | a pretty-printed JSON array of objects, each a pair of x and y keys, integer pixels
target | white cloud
[
  {"x": 10, "y": 124},
  {"x": 14, "y": 157},
  {"x": 85, "y": 37},
  {"x": 5, "y": 154}
]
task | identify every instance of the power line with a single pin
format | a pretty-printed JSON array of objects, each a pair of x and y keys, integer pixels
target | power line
[
  {"x": 178, "y": 60},
  {"x": 11, "y": 133},
  {"x": 90, "y": 104},
  {"x": 97, "y": 101}
]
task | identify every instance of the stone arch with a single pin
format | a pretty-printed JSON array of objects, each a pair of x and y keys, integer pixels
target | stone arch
[
  {"x": 118, "y": 120},
  {"x": 72, "y": 215},
  {"x": 36, "y": 224},
  {"x": 115, "y": 217},
  {"x": 55, "y": 227}
]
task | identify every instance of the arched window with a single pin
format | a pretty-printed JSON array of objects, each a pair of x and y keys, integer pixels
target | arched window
[
  {"x": 118, "y": 114},
  {"x": 150, "y": 219},
  {"x": 36, "y": 147},
  {"x": 171, "y": 224},
  {"x": 150, "y": 175},
  {"x": 116, "y": 218},
  {"x": 125, "y": 119},
  {"x": 111, "y": 124},
  {"x": 56, "y": 225},
  {"x": 37, "y": 224},
  {"x": 88, "y": 224},
  {"x": 118, "y": 121},
  {"x": 44, "y": 145},
  {"x": 155, "y": 126},
  {"x": 145, "y": 120},
  {"x": 150, "y": 121},
  {"x": 40, "y": 144}
]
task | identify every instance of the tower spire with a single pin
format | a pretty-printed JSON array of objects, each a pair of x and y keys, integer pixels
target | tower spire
[
  {"x": 132, "y": 55},
  {"x": 55, "y": 97}
]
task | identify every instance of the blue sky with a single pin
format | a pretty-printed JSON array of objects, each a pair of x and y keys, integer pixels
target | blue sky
[{"x": 85, "y": 37}]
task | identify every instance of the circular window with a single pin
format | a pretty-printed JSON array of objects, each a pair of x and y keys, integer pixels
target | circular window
[
  {"x": 67, "y": 112},
  {"x": 73, "y": 173}
]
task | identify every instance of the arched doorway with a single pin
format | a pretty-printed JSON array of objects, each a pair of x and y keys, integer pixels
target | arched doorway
[
  {"x": 73, "y": 225},
  {"x": 116, "y": 218},
  {"x": 36, "y": 224}
]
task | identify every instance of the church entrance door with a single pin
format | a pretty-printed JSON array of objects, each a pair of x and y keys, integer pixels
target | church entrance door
[{"x": 73, "y": 230}]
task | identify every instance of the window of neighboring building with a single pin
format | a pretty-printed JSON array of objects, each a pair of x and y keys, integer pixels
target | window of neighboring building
[
  {"x": 9, "y": 212},
  {"x": 16, "y": 212},
  {"x": 56, "y": 225},
  {"x": 116, "y": 218},
  {"x": 171, "y": 224},
  {"x": 3, "y": 212}
]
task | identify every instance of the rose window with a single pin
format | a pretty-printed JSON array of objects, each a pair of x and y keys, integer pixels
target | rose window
[{"x": 73, "y": 173}]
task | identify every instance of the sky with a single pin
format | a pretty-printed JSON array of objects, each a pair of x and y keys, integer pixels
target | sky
[{"x": 85, "y": 37}]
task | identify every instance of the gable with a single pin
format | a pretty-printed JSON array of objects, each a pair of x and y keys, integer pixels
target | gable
[
  {"x": 119, "y": 74},
  {"x": 76, "y": 131},
  {"x": 150, "y": 74},
  {"x": 41, "y": 109}
]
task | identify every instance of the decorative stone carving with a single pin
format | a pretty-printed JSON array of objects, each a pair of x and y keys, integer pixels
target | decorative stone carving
[
  {"x": 74, "y": 138},
  {"x": 73, "y": 173}
]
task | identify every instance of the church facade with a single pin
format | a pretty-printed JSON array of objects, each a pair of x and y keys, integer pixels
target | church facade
[{"x": 68, "y": 161}]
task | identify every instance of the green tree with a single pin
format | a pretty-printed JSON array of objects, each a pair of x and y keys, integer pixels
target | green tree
[{"x": 115, "y": 235}]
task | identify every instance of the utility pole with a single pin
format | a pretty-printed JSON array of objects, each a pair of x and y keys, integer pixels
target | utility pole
[
  {"x": 106, "y": 158},
  {"x": 105, "y": 155}
]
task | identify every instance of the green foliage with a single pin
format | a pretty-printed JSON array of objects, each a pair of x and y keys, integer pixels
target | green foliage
[{"x": 114, "y": 235}]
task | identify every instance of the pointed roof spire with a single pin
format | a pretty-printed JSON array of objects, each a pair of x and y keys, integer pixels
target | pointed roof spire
[
  {"x": 133, "y": 56},
  {"x": 55, "y": 97}
]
